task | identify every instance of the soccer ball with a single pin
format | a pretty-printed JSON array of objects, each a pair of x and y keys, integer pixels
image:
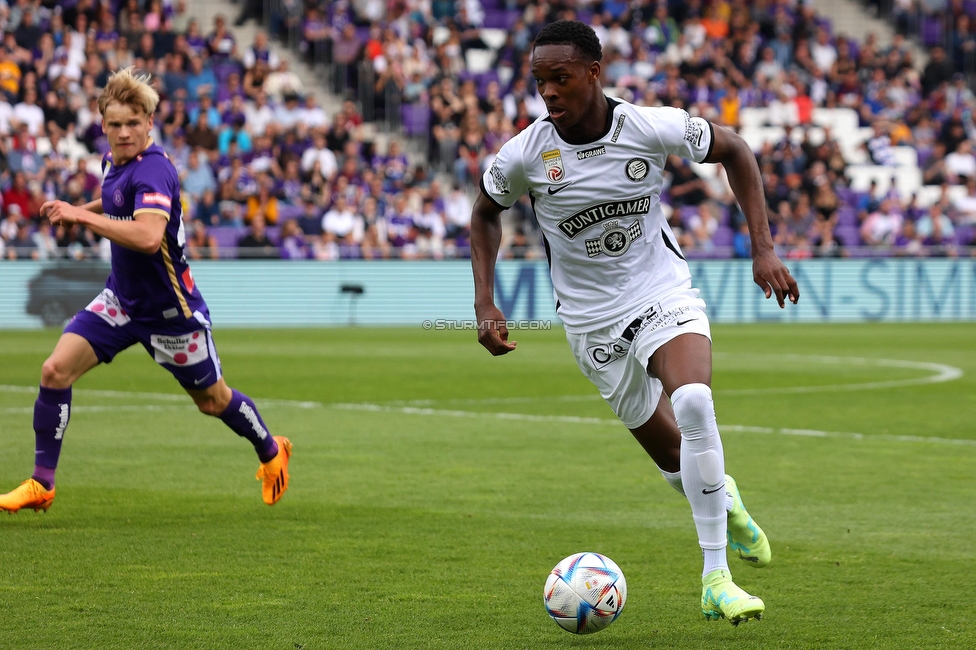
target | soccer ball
[{"x": 585, "y": 593}]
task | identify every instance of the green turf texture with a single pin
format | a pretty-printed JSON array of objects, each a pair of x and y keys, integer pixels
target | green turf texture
[{"x": 420, "y": 518}]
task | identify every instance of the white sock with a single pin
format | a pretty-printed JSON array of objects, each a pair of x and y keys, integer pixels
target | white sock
[
  {"x": 674, "y": 480},
  {"x": 703, "y": 469}
]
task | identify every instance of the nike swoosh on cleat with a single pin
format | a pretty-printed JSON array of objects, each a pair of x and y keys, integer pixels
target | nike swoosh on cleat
[
  {"x": 685, "y": 322},
  {"x": 558, "y": 189},
  {"x": 704, "y": 491}
]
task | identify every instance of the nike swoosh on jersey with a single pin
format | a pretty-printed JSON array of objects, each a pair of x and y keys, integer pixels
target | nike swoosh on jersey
[
  {"x": 558, "y": 189},
  {"x": 685, "y": 322}
]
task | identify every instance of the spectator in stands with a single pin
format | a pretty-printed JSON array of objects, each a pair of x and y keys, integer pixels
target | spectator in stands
[
  {"x": 310, "y": 221},
  {"x": 44, "y": 242},
  {"x": 376, "y": 244},
  {"x": 960, "y": 165},
  {"x": 207, "y": 208},
  {"x": 909, "y": 243},
  {"x": 293, "y": 246},
  {"x": 198, "y": 177},
  {"x": 256, "y": 244},
  {"x": 201, "y": 135},
  {"x": 281, "y": 83},
  {"x": 342, "y": 222},
  {"x": 430, "y": 228},
  {"x": 937, "y": 71},
  {"x": 687, "y": 188},
  {"x": 965, "y": 206},
  {"x": 345, "y": 54},
  {"x": 317, "y": 38},
  {"x": 259, "y": 114},
  {"x": 201, "y": 245},
  {"x": 319, "y": 158},
  {"x": 17, "y": 196},
  {"x": 882, "y": 227},
  {"x": 264, "y": 203}
]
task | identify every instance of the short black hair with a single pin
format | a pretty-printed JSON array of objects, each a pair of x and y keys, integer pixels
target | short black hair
[{"x": 571, "y": 32}]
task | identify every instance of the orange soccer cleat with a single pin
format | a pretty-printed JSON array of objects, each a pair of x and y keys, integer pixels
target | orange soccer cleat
[
  {"x": 273, "y": 473},
  {"x": 30, "y": 494}
]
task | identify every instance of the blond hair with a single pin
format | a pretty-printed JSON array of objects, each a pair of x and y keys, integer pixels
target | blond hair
[{"x": 129, "y": 89}]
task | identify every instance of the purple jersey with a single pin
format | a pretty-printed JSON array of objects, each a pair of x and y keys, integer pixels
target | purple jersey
[{"x": 158, "y": 286}]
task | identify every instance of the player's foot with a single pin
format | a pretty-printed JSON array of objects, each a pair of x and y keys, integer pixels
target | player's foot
[
  {"x": 746, "y": 538},
  {"x": 30, "y": 494},
  {"x": 274, "y": 473},
  {"x": 721, "y": 598}
]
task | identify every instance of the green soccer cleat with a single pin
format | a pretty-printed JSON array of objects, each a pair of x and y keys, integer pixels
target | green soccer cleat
[
  {"x": 721, "y": 598},
  {"x": 746, "y": 538}
]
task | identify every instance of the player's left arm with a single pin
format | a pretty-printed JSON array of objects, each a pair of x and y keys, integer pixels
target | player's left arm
[
  {"x": 772, "y": 276},
  {"x": 143, "y": 234}
]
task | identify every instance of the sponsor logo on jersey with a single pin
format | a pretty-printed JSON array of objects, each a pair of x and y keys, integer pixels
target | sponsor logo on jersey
[
  {"x": 553, "y": 162},
  {"x": 693, "y": 131},
  {"x": 591, "y": 153},
  {"x": 157, "y": 199},
  {"x": 636, "y": 169},
  {"x": 595, "y": 214},
  {"x": 620, "y": 126},
  {"x": 615, "y": 240},
  {"x": 499, "y": 179}
]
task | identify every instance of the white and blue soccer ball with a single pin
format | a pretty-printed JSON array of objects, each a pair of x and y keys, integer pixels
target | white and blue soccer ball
[{"x": 585, "y": 593}]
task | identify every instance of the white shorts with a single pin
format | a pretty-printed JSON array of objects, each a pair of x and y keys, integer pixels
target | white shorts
[{"x": 615, "y": 358}]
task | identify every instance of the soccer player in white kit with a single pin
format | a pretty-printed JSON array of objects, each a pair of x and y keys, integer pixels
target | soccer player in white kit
[{"x": 593, "y": 169}]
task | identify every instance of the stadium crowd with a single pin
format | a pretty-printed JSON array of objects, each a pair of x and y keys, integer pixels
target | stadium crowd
[{"x": 266, "y": 173}]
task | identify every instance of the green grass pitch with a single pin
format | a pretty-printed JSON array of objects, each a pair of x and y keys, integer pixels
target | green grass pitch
[{"x": 433, "y": 488}]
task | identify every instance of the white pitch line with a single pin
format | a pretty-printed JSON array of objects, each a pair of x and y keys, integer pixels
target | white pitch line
[
  {"x": 29, "y": 410},
  {"x": 941, "y": 373},
  {"x": 165, "y": 397}
]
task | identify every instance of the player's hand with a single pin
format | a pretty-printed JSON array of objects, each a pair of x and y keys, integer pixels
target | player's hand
[
  {"x": 772, "y": 276},
  {"x": 60, "y": 212},
  {"x": 492, "y": 332}
]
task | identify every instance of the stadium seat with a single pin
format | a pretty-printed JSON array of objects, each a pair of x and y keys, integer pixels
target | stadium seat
[
  {"x": 750, "y": 117},
  {"x": 493, "y": 38},
  {"x": 416, "y": 120},
  {"x": 478, "y": 61},
  {"x": 905, "y": 156}
]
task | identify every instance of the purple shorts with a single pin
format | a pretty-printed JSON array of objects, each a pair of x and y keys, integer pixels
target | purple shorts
[{"x": 184, "y": 347}]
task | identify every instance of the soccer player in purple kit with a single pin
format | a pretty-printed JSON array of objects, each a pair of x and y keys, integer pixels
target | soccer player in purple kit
[{"x": 149, "y": 298}]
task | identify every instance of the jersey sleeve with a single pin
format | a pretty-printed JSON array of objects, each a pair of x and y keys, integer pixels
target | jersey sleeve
[
  {"x": 689, "y": 137},
  {"x": 504, "y": 182},
  {"x": 156, "y": 187}
]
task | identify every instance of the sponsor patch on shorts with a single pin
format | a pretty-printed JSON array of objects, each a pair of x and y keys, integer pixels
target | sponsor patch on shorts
[
  {"x": 106, "y": 305},
  {"x": 183, "y": 350}
]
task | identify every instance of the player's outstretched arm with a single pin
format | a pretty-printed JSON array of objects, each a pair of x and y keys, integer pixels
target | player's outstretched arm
[
  {"x": 768, "y": 271},
  {"x": 144, "y": 234},
  {"x": 94, "y": 206},
  {"x": 486, "y": 237}
]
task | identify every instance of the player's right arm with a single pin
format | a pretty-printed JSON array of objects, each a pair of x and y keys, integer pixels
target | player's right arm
[
  {"x": 501, "y": 186},
  {"x": 143, "y": 234},
  {"x": 486, "y": 237},
  {"x": 93, "y": 206}
]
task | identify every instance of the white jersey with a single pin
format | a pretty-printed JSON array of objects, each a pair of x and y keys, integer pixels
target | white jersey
[{"x": 609, "y": 245}]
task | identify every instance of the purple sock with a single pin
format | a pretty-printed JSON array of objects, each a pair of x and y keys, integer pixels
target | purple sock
[
  {"x": 242, "y": 416},
  {"x": 52, "y": 410}
]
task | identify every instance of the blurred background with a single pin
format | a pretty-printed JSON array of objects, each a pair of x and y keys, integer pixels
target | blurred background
[{"x": 334, "y": 131}]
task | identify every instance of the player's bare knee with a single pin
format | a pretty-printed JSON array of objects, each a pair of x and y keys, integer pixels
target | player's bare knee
[
  {"x": 54, "y": 374},
  {"x": 209, "y": 406}
]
